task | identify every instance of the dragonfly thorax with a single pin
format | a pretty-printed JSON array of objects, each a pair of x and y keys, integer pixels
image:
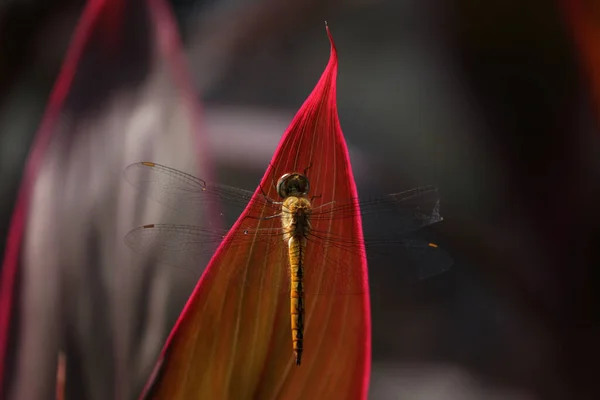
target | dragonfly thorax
[
  {"x": 293, "y": 184},
  {"x": 295, "y": 217}
]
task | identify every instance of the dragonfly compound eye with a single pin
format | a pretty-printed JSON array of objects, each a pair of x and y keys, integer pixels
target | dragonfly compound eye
[{"x": 293, "y": 185}]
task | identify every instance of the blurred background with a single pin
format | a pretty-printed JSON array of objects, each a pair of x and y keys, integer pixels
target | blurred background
[{"x": 487, "y": 100}]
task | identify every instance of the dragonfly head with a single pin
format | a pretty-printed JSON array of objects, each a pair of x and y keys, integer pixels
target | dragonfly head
[{"x": 293, "y": 184}]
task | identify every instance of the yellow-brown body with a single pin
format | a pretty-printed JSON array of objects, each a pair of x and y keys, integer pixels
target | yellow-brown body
[{"x": 295, "y": 220}]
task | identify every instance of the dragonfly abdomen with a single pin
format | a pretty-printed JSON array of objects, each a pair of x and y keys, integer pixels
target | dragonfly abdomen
[
  {"x": 297, "y": 246},
  {"x": 295, "y": 220}
]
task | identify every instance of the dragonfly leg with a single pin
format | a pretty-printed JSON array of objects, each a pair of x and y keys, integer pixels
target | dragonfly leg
[
  {"x": 267, "y": 198},
  {"x": 273, "y": 183},
  {"x": 263, "y": 218},
  {"x": 273, "y": 216},
  {"x": 307, "y": 168}
]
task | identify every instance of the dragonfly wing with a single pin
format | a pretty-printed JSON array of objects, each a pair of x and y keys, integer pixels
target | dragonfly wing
[
  {"x": 333, "y": 270},
  {"x": 426, "y": 258},
  {"x": 176, "y": 189},
  {"x": 401, "y": 213},
  {"x": 191, "y": 247},
  {"x": 182, "y": 246}
]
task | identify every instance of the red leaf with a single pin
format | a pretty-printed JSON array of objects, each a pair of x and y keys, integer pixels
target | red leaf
[{"x": 234, "y": 340}]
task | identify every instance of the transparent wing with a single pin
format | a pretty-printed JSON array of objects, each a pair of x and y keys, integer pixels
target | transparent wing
[
  {"x": 387, "y": 223},
  {"x": 187, "y": 246},
  {"x": 176, "y": 189},
  {"x": 182, "y": 246},
  {"x": 411, "y": 257},
  {"x": 327, "y": 270},
  {"x": 403, "y": 212}
]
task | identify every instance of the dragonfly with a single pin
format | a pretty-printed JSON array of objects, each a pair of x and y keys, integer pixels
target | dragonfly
[{"x": 295, "y": 225}]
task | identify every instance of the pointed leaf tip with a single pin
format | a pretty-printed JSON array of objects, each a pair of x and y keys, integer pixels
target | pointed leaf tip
[{"x": 333, "y": 49}]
